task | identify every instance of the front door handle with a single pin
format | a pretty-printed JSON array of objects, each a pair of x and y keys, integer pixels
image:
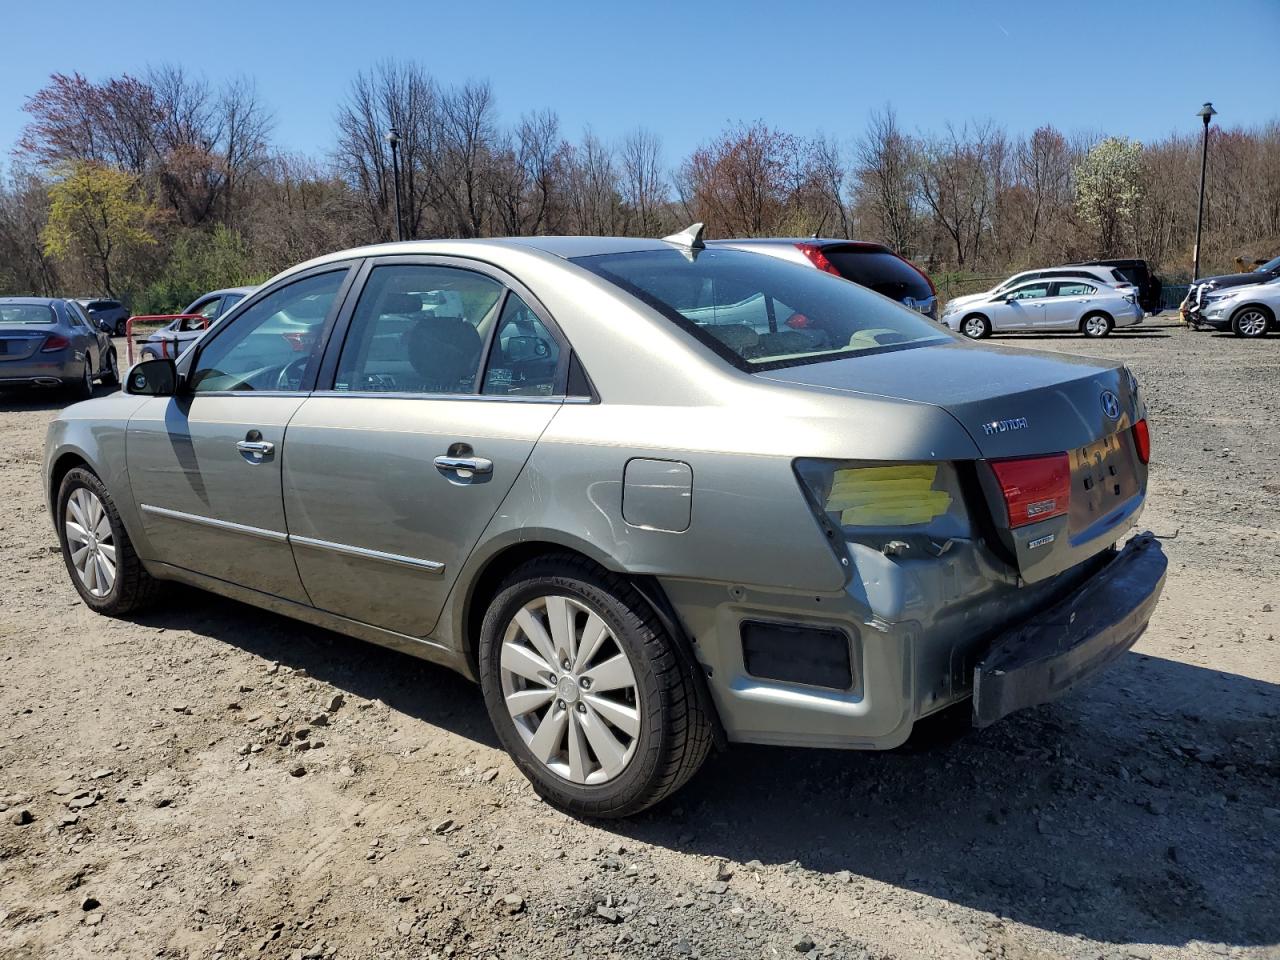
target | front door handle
[
  {"x": 466, "y": 466},
  {"x": 255, "y": 451}
]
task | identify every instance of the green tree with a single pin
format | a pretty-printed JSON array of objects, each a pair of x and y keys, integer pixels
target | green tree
[
  {"x": 1107, "y": 190},
  {"x": 198, "y": 262},
  {"x": 99, "y": 217}
]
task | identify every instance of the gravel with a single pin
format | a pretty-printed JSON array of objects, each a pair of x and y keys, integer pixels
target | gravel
[{"x": 1136, "y": 818}]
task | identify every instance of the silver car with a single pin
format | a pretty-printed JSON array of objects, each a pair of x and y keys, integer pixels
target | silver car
[
  {"x": 1077, "y": 305},
  {"x": 653, "y": 496},
  {"x": 48, "y": 342},
  {"x": 185, "y": 329}
]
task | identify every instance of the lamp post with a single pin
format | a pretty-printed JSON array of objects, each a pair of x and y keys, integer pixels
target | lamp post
[
  {"x": 393, "y": 138},
  {"x": 1204, "y": 113}
]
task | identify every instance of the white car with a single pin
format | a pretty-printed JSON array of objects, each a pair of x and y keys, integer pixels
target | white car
[
  {"x": 1093, "y": 309},
  {"x": 1248, "y": 311},
  {"x": 1103, "y": 276}
]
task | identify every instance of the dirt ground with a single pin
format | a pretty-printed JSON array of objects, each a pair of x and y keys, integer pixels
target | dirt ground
[{"x": 173, "y": 813}]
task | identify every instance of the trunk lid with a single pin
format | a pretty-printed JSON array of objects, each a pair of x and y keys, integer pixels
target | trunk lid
[
  {"x": 19, "y": 344},
  {"x": 1016, "y": 403}
]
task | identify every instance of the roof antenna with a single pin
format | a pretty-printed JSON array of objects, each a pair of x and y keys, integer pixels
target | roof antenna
[{"x": 690, "y": 239}]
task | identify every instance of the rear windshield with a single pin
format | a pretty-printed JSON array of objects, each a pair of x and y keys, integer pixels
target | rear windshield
[
  {"x": 1270, "y": 265},
  {"x": 760, "y": 312},
  {"x": 880, "y": 271},
  {"x": 26, "y": 313},
  {"x": 103, "y": 305}
]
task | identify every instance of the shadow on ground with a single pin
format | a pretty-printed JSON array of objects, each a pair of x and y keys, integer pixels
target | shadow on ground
[{"x": 1143, "y": 809}]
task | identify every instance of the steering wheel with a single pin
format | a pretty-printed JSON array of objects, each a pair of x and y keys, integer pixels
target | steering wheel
[{"x": 286, "y": 379}]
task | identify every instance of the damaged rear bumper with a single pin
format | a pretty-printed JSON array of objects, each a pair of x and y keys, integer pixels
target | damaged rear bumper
[{"x": 1046, "y": 656}]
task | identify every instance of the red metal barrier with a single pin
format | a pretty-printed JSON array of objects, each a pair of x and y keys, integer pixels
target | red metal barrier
[{"x": 166, "y": 348}]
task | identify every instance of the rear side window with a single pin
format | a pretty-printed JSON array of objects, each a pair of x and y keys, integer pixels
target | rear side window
[
  {"x": 880, "y": 271},
  {"x": 1068, "y": 289},
  {"x": 524, "y": 357},
  {"x": 760, "y": 313},
  {"x": 417, "y": 329}
]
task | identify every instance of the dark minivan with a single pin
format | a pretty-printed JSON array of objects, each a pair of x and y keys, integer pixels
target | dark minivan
[
  {"x": 870, "y": 265},
  {"x": 1137, "y": 272}
]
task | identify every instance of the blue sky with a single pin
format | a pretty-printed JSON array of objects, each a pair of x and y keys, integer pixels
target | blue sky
[{"x": 684, "y": 70}]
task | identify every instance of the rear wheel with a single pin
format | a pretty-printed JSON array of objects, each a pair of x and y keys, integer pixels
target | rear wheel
[
  {"x": 104, "y": 568},
  {"x": 119, "y": 328},
  {"x": 110, "y": 370},
  {"x": 976, "y": 327},
  {"x": 1251, "y": 322},
  {"x": 1097, "y": 325},
  {"x": 587, "y": 691},
  {"x": 82, "y": 388}
]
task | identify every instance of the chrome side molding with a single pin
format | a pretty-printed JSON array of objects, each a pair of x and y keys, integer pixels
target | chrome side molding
[{"x": 432, "y": 568}]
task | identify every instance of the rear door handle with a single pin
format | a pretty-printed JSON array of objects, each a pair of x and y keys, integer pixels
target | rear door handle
[
  {"x": 256, "y": 450},
  {"x": 464, "y": 465}
]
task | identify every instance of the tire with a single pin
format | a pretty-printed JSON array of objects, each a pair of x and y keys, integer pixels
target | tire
[
  {"x": 148, "y": 354},
  {"x": 111, "y": 373},
  {"x": 976, "y": 327},
  {"x": 128, "y": 587},
  {"x": 120, "y": 328},
  {"x": 672, "y": 735},
  {"x": 1096, "y": 325},
  {"x": 1251, "y": 322},
  {"x": 82, "y": 388}
]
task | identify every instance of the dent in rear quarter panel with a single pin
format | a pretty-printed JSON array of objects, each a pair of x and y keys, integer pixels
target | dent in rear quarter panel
[{"x": 95, "y": 431}]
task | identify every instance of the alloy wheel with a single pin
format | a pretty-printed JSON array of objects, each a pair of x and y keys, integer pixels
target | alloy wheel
[
  {"x": 974, "y": 328},
  {"x": 90, "y": 541},
  {"x": 570, "y": 690},
  {"x": 1252, "y": 323},
  {"x": 1096, "y": 326}
]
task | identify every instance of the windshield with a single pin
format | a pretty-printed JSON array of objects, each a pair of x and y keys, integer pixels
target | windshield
[
  {"x": 26, "y": 313},
  {"x": 760, "y": 312},
  {"x": 1269, "y": 265}
]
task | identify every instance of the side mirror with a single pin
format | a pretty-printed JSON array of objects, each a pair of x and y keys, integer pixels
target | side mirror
[{"x": 153, "y": 378}]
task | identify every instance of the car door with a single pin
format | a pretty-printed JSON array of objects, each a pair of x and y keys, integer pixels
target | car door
[
  {"x": 1067, "y": 303},
  {"x": 87, "y": 339},
  {"x": 1023, "y": 307},
  {"x": 205, "y": 465},
  {"x": 397, "y": 462}
]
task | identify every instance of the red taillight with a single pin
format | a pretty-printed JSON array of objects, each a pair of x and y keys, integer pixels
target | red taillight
[
  {"x": 1036, "y": 488},
  {"x": 817, "y": 257},
  {"x": 55, "y": 341},
  {"x": 1142, "y": 440}
]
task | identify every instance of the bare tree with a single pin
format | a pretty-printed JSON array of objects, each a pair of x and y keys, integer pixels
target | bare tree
[
  {"x": 887, "y": 162},
  {"x": 467, "y": 136},
  {"x": 644, "y": 188}
]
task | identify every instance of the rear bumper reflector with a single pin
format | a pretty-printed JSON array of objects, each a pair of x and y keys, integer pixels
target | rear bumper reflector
[{"x": 797, "y": 653}]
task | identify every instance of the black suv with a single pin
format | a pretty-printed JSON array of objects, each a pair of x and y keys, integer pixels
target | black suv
[{"x": 1137, "y": 272}]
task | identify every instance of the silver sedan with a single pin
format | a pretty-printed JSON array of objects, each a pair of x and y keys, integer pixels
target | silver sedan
[{"x": 653, "y": 496}]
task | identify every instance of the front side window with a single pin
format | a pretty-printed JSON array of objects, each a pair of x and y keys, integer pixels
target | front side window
[
  {"x": 1035, "y": 291},
  {"x": 272, "y": 344},
  {"x": 524, "y": 357},
  {"x": 207, "y": 309},
  {"x": 418, "y": 329},
  {"x": 760, "y": 312}
]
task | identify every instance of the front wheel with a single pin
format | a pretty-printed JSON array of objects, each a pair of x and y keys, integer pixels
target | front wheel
[
  {"x": 1097, "y": 325},
  {"x": 99, "y": 555},
  {"x": 976, "y": 327},
  {"x": 587, "y": 691},
  {"x": 1250, "y": 322}
]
